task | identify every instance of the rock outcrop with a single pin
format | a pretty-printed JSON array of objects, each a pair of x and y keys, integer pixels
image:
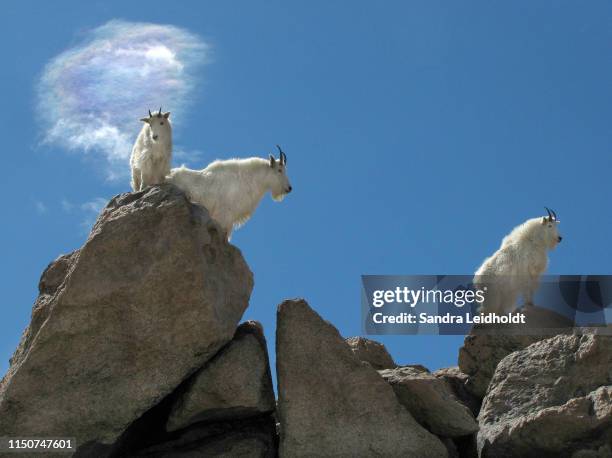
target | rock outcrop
[
  {"x": 371, "y": 352},
  {"x": 223, "y": 409},
  {"x": 481, "y": 353},
  {"x": 487, "y": 345},
  {"x": 553, "y": 398},
  {"x": 151, "y": 296},
  {"x": 431, "y": 402},
  {"x": 332, "y": 404},
  {"x": 133, "y": 348},
  {"x": 457, "y": 382},
  {"x": 236, "y": 383}
]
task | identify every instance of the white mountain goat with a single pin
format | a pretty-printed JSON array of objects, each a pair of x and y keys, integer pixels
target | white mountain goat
[
  {"x": 231, "y": 190},
  {"x": 515, "y": 268},
  {"x": 152, "y": 152}
]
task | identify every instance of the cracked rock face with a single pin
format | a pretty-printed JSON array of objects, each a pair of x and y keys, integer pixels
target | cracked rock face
[
  {"x": 480, "y": 354},
  {"x": 236, "y": 383},
  {"x": 487, "y": 345},
  {"x": 457, "y": 381},
  {"x": 554, "y": 398},
  {"x": 431, "y": 402},
  {"x": 332, "y": 404},
  {"x": 371, "y": 352},
  {"x": 153, "y": 294}
]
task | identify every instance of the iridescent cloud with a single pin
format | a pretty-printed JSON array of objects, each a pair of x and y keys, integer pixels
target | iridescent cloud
[{"x": 91, "y": 96}]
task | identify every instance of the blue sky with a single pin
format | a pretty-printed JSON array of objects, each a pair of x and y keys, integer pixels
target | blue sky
[{"x": 417, "y": 134}]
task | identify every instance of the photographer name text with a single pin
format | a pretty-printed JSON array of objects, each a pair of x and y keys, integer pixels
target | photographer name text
[{"x": 448, "y": 318}]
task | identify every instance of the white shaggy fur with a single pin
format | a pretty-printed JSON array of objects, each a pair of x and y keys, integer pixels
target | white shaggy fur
[
  {"x": 152, "y": 152},
  {"x": 515, "y": 268},
  {"x": 231, "y": 190}
]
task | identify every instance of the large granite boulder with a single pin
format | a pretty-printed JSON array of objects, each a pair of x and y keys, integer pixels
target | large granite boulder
[
  {"x": 332, "y": 404},
  {"x": 487, "y": 344},
  {"x": 153, "y": 294},
  {"x": 236, "y": 383},
  {"x": 371, "y": 352},
  {"x": 480, "y": 354},
  {"x": 431, "y": 402},
  {"x": 554, "y": 398}
]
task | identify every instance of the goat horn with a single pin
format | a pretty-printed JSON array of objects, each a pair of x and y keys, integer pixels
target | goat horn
[
  {"x": 550, "y": 216},
  {"x": 150, "y": 115},
  {"x": 283, "y": 156},
  {"x": 159, "y": 114},
  {"x": 554, "y": 214}
]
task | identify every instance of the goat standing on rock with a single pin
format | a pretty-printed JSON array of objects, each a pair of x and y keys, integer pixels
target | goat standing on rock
[
  {"x": 515, "y": 268},
  {"x": 152, "y": 152},
  {"x": 231, "y": 190}
]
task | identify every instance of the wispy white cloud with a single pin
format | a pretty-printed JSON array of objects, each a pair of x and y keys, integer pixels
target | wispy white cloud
[
  {"x": 91, "y": 209},
  {"x": 91, "y": 96},
  {"x": 41, "y": 208},
  {"x": 96, "y": 205},
  {"x": 67, "y": 206},
  {"x": 193, "y": 158}
]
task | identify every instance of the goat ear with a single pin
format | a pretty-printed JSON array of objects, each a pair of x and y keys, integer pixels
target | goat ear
[
  {"x": 544, "y": 220},
  {"x": 167, "y": 114},
  {"x": 147, "y": 120},
  {"x": 272, "y": 161}
]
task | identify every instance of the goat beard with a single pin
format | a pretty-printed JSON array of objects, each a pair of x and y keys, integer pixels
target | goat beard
[{"x": 278, "y": 197}]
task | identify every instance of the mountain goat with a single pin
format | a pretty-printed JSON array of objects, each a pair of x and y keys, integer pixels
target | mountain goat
[
  {"x": 152, "y": 152},
  {"x": 231, "y": 189},
  {"x": 515, "y": 268}
]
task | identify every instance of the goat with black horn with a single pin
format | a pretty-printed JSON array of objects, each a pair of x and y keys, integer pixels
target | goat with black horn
[
  {"x": 514, "y": 270},
  {"x": 152, "y": 151}
]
